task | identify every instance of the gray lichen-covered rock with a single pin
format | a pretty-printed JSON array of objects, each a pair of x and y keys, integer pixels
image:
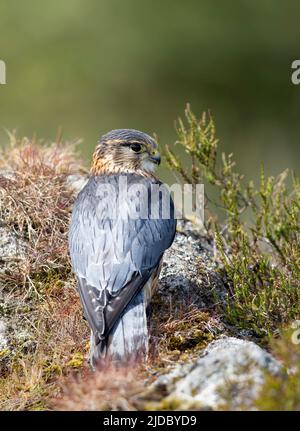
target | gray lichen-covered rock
[
  {"x": 229, "y": 369},
  {"x": 3, "y": 339},
  {"x": 11, "y": 247},
  {"x": 189, "y": 269}
]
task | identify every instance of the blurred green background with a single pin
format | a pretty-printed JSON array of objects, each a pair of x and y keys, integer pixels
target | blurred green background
[{"x": 89, "y": 66}]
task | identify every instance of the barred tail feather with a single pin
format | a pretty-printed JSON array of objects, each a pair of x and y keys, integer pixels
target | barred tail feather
[{"x": 128, "y": 340}]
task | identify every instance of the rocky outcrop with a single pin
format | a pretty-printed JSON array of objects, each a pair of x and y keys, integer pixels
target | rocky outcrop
[
  {"x": 189, "y": 270},
  {"x": 229, "y": 370},
  {"x": 3, "y": 339},
  {"x": 12, "y": 249}
]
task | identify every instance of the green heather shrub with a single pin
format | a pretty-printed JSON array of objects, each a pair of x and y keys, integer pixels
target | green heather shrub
[{"x": 259, "y": 239}]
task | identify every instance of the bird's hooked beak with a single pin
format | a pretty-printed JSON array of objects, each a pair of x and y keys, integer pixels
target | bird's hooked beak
[{"x": 155, "y": 158}]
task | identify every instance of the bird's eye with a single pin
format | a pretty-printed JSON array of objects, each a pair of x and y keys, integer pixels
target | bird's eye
[{"x": 136, "y": 148}]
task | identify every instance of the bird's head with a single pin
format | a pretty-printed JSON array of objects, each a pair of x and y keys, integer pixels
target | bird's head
[{"x": 125, "y": 151}]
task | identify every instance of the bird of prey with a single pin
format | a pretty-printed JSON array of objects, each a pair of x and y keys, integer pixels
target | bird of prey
[{"x": 122, "y": 222}]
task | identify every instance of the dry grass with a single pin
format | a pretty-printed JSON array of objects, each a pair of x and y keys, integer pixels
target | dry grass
[
  {"x": 108, "y": 389},
  {"x": 38, "y": 300},
  {"x": 35, "y": 202}
]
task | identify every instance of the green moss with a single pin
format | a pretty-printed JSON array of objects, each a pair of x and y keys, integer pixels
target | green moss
[
  {"x": 172, "y": 403},
  {"x": 196, "y": 338},
  {"x": 76, "y": 361},
  {"x": 50, "y": 280},
  {"x": 282, "y": 392}
]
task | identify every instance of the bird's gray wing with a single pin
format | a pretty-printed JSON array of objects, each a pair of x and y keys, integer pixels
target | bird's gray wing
[{"x": 114, "y": 256}]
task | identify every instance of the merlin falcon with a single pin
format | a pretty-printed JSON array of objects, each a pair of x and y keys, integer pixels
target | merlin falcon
[{"x": 122, "y": 222}]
